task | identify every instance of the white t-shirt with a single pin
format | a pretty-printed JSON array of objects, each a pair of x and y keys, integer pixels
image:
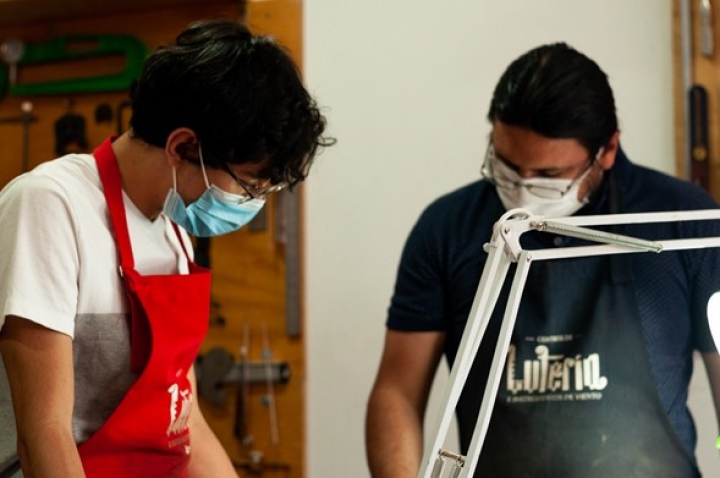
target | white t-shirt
[{"x": 59, "y": 268}]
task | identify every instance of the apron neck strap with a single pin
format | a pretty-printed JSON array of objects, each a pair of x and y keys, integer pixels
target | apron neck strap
[
  {"x": 112, "y": 189},
  {"x": 181, "y": 241}
]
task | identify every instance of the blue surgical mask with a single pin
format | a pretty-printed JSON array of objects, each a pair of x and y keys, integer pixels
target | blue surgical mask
[{"x": 216, "y": 212}]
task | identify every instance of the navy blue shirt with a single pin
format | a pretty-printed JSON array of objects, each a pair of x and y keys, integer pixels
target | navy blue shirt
[{"x": 443, "y": 260}]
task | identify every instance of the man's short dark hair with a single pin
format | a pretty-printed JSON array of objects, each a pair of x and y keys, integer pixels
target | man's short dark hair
[
  {"x": 241, "y": 94},
  {"x": 557, "y": 92}
]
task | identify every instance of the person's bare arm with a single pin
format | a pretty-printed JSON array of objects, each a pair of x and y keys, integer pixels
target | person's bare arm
[
  {"x": 39, "y": 365},
  {"x": 208, "y": 458},
  {"x": 712, "y": 367},
  {"x": 396, "y": 407}
]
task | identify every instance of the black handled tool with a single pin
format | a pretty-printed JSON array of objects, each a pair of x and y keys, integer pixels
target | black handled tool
[{"x": 699, "y": 137}]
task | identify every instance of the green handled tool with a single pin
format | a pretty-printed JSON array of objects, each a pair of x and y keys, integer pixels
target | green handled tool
[{"x": 75, "y": 47}]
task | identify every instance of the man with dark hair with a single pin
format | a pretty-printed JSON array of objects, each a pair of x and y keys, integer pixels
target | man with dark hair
[
  {"x": 103, "y": 309},
  {"x": 554, "y": 150}
]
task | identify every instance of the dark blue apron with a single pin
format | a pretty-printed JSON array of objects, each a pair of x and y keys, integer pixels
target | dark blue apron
[{"x": 577, "y": 397}]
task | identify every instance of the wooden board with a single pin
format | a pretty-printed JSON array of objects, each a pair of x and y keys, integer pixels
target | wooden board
[{"x": 704, "y": 71}]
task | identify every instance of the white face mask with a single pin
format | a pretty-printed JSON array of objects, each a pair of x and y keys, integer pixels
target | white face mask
[{"x": 530, "y": 193}]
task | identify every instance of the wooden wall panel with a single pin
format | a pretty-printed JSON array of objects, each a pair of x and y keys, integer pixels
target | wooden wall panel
[
  {"x": 154, "y": 28},
  {"x": 250, "y": 288},
  {"x": 705, "y": 71},
  {"x": 248, "y": 266}
]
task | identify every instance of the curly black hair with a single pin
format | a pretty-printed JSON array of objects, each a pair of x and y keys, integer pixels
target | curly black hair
[{"x": 241, "y": 94}]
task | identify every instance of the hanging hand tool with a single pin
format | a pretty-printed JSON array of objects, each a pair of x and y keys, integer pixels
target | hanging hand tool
[
  {"x": 217, "y": 369},
  {"x": 121, "y": 126},
  {"x": 70, "y": 130},
  {"x": 103, "y": 113},
  {"x": 290, "y": 227},
  {"x": 240, "y": 430},
  {"x": 699, "y": 137},
  {"x": 79, "y": 47},
  {"x": 686, "y": 60},
  {"x": 270, "y": 396},
  {"x": 27, "y": 117},
  {"x": 256, "y": 464},
  {"x": 707, "y": 38},
  {"x": 11, "y": 50}
]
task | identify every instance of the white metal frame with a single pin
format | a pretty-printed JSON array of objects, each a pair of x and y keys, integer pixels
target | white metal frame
[{"x": 503, "y": 249}]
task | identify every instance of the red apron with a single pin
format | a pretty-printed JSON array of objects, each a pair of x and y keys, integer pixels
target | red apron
[{"x": 147, "y": 435}]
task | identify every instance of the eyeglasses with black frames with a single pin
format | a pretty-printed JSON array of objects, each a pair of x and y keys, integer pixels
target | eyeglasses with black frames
[{"x": 254, "y": 192}]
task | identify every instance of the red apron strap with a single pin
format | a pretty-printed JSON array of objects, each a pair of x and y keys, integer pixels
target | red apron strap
[
  {"x": 112, "y": 188},
  {"x": 182, "y": 242}
]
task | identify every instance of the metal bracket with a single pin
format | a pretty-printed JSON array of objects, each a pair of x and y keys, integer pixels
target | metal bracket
[
  {"x": 217, "y": 369},
  {"x": 516, "y": 222}
]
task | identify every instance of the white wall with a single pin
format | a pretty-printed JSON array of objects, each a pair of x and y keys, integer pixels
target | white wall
[{"x": 406, "y": 85}]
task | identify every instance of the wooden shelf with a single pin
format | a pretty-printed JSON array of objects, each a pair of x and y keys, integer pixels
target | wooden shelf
[{"x": 25, "y": 12}]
